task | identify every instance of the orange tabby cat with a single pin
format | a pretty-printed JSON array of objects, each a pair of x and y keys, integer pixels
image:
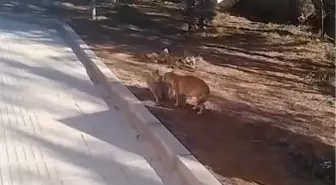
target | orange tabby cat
[
  {"x": 157, "y": 86},
  {"x": 188, "y": 86}
]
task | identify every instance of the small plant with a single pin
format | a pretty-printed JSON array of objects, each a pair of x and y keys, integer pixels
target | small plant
[
  {"x": 330, "y": 54},
  {"x": 166, "y": 58},
  {"x": 198, "y": 13}
]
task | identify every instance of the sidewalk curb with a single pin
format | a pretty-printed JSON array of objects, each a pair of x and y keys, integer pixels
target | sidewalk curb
[{"x": 174, "y": 155}]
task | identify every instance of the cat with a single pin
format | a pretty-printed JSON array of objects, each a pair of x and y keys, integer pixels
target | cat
[
  {"x": 187, "y": 86},
  {"x": 160, "y": 89}
]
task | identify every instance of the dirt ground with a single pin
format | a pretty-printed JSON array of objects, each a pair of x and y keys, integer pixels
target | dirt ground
[{"x": 270, "y": 119}]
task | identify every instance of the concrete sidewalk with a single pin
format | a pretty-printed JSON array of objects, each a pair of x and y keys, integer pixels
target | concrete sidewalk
[{"x": 55, "y": 128}]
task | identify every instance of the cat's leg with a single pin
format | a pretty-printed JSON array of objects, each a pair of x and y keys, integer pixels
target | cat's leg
[
  {"x": 166, "y": 94},
  {"x": 200, "y": 104},
  {"x": 176, "y": 92},
  {"x": 170, "y": 92},
  {"x": 202, "y": 107},
  {"x": 183, "y": 99},
  {"x": 177, "y": 99},
  {"x": 160, "y": 96},
  {"x": 152, "y": 89},
  {"x": 157, "y": 99}
]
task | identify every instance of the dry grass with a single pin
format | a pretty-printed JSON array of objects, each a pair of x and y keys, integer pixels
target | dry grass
[
  {"x": 270, "y": 118},
  {"x": 263, "y": 91}
]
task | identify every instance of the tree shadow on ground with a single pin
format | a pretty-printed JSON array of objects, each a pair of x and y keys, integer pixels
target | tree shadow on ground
[
  {"x": 123, "y": 29},
  {"x": 267, "y": 11},
  {"x": 36, "y": 7},
  {"x": 96, "y": 167},
  {"x": 134, "y": 29},
  {"x": 237, "y": 141},
  {"x": 253, "y": 52},
  {"x": 245, "y": 143}
]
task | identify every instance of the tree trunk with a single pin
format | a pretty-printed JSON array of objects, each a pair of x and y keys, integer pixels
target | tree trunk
[
  {"x": 94, "y": 10},
  {"x": 322, "y": 18}
]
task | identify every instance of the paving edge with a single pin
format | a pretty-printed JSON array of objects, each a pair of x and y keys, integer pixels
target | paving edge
[{"x": 174, "y": 155}]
